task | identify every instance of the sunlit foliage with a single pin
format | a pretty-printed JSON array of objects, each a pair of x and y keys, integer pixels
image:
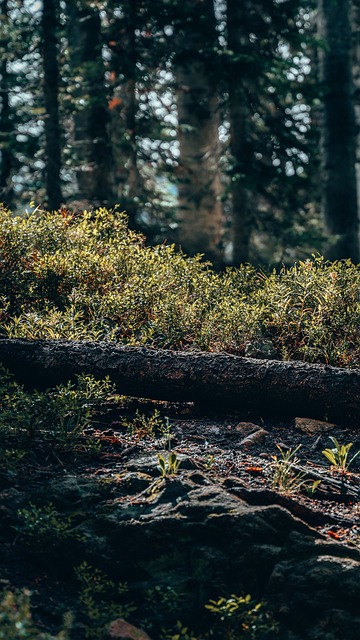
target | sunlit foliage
[{"x": 89, "y": 277}]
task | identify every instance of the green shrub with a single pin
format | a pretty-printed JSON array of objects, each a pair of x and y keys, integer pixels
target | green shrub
[
  {"x": 101, "y": 600},
  {"x": 43, "y": 526},
  {"x": 242, "y": 617},
  {"x": 89, "y": 277},
  {"x": 56, "y": 418},
  {"x": 312, "y": 311},
  {"x": 16, "y": 620},
  {"x": 142, "y": 426}
]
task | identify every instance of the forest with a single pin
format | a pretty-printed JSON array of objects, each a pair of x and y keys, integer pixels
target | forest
[
  {"x": 179, "y": 320},
  {"x": 229, "y": 128}
]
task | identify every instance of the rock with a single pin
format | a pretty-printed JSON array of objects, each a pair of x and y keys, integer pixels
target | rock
[
  {"x": 253, "y": 438},
  {"x": 245, "y": 428},
  {"x": 204, "y": 541},
  {"x": 312, "y": 427},
  {"x": 73, "y": 490},
  {"x": 192, "y": 532},
  {"x": 123, "y": 630},
  {"x": 322, "y": 596}
]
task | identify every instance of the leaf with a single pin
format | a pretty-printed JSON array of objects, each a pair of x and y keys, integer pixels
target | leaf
[
  {"x": 328, "y": 453},
  {"x": 354, "y": 456},
  {"x": 335, "y": 442},
  {"x": 161, "y": 462}
]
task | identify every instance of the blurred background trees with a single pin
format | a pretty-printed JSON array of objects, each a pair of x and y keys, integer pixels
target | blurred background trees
[{"x": 228, "y": 127}]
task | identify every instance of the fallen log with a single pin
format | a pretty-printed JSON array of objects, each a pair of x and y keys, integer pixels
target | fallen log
[{"x": 220, "y": 379}]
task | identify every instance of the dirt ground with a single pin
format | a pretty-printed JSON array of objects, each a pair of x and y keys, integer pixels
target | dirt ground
[
  {"x": 246, "y": 446},
  {"x": 247, "y": 450}
]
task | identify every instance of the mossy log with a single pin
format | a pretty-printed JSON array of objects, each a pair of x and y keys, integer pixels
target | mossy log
[{"x": 217, "y": 379}]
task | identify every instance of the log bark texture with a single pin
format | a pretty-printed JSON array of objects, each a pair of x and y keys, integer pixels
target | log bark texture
[{"x": 220, "y": 379}]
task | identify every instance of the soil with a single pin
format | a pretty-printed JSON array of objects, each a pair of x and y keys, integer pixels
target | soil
[{"x": 241, "y": 448}]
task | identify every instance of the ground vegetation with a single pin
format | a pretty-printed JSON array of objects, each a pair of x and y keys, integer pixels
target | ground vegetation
[{"x": 171, "y": 520}]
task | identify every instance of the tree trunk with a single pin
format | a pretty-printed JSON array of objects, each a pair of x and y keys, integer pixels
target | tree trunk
[
  {"x": 94, "y": 171},
  {"x": 201, "y": 223},
  {"x": 356, "y": 80},
  {"x": 5, "y": 120},
  {"x": 49, "y": 26},
  {"x": 124, "y": 108},
  {"x": 239, "y": 117},
  {"x": 338, "y": 134},
  {"x": 226, "y": 381}
]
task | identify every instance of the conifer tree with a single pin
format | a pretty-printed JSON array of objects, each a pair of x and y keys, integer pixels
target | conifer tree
[
  {"x": 338, "y": 133},
  {"x": 90, "y": 125},
  {"x": 7, "y": 160},
  {"x": 200, "y": 214},
  {"x": 49, "y": 27}
]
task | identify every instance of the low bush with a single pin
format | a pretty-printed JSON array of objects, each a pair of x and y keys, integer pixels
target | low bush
[
  {"x": 89, "y": 277},
  {"x": 16, "y": 619},
  {"x": 54, "y": 419}
]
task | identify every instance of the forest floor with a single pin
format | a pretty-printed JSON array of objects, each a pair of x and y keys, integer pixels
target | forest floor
[
  {"x": 277, "y": 460},
  {"x": 266, "y": 461}
]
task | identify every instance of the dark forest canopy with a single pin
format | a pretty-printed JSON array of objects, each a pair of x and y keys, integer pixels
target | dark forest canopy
[{"x": 228, "y": 127}]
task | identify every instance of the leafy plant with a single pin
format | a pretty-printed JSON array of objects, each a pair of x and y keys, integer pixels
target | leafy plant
[
  {"x": 311, "y": 488},
  {"x": 209, "y": 461},
  {"x": 16, "y": 620},
  {"x": 58, "y": 416},
  {"x": 90, "y": 277},
  {"x": 101, "y": 600},
  {"x": 242, "y": 617},
  {"x": 159, "y": 608},
  {"x": 284, "y": 477},
  {"x": 179, "y": 632},
  {"x": 338, "y": 456},
  {"x": 143, "y": 426},
  {"x": 10, "y": 459},
  {"x": 44, "y": 526},
  {"x": 309, "y": 311},
  {"x": 162, "y": 598},
  {"x": 168, "y": 466}
]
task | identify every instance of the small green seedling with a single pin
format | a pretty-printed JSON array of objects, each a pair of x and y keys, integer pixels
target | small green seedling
[
  {"x": 339, "y": 455},
  {"x": 284, "y": 477},
  {"x": 311, "y": 489},
  {"x": 169, "y": 466}
]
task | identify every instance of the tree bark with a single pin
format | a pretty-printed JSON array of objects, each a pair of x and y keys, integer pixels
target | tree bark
[
  {"x": 201, "y": 223},
  {"x": 220, "y": 379},
  {"x": 7, "y": 160},
  {"x": 94, "y": 171},
  {"x": 49, "y": 26},
  {"x": 338, "y": 134},
  {"x": 356, "y": 80},
  {"x": 239, "y": 118},
  {"x": 125, "y": 58}
]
